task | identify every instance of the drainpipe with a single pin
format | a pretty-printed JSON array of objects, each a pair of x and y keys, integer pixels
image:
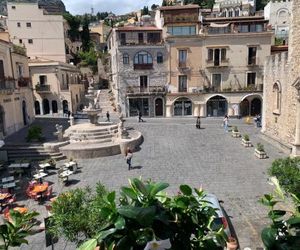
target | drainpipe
[{"x": 12, "y": 65}]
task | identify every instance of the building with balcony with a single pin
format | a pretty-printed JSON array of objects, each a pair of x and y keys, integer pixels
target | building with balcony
[
  {"x": 16, "y": 98},
  {"x": 57, "y": 87},
  {"x": 215, "y": 63},
  {"x": 233, "y": 8},
  {"x": 43, "y": 34},
  {"x": 139, "y": 69}
]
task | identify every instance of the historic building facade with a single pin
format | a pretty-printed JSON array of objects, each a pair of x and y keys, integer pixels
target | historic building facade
[
  {"x": 139, "y": 66},
  {"x": 281, "y": 113}
]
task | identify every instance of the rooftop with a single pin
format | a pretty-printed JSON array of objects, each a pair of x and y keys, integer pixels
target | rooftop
[
  {"x": 138, "y": 28},
  {"x": 180, "y": 7}
]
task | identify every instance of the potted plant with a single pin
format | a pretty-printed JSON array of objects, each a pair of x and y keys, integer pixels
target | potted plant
[
  {"x": 52, "y": 162},
  {"x": 231, "y": 243},
  {"x": 246, "y": 141},
  {"x": 235, "y": 132},
  {"x": 260, "y": 151}
]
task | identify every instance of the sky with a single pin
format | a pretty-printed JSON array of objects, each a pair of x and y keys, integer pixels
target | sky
[{"x": 116, "y": 6}]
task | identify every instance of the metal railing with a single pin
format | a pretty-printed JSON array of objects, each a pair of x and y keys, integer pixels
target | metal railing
[
  {"x": 7, "y": 84},
  {"x": 42, "y": 88},
  {"x": 145, "y": 90}
]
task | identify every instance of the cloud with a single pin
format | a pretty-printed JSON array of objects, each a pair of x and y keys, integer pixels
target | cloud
[{"x": 115, "y": 6}]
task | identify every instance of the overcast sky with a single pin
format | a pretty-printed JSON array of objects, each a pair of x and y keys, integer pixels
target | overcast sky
[{"x": 116, "y": 6}]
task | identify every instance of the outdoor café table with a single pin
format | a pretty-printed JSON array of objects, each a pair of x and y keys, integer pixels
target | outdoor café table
[
  {"x": 44, "y": 165},
  {"x": 3, "y": 198},
  {"x": 39, "y": 175},
  {"x": 39, "y": 188},
  {"x": 9, "y": 185},
  {"x": 19, "y": 165},
  {"x": 22, "y": 210},
  {"x": 8, "y": 179},
  {"x": 66, "y": 173}
]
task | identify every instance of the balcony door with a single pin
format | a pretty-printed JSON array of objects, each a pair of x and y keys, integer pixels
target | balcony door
[
  {"x": 141, "y": 38},
  {"x": 143, "y": 84},
  {"x": 182, "y": 83},
  {"x": 217, "y": 57}
]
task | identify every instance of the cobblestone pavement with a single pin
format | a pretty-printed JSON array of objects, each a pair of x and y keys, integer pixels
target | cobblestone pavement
[{"x": 175, "y": 152}]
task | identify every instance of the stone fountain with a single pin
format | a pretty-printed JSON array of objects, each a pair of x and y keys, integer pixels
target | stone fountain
[{"x": 97, "y": 139}]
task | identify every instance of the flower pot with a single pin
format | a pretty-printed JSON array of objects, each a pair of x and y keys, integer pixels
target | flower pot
[
  {"x": 260, "y": 154},
  {"x": 246, "y": 144},
  {"x": 236, "y": 134},
  {"x": 232, "y": 244}
]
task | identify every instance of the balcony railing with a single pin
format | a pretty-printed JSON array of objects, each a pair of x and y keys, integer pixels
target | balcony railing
[
  {"x": 7, "y": 84},
  {"x": 250, "y": 88},
  {"x": 147, "y": 90},
  {"x": 42, "y": 88},
  {"x": 143, "y": 66},
  {"x": 222, "y": 63},
  {"x": 24, "y": 82}
]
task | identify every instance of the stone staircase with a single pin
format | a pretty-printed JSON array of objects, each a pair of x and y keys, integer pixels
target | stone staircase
[
  {"x": 29, "y": 152},
  {"x": 106, "y": 103}
]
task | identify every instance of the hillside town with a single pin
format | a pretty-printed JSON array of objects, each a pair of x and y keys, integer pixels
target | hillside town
[{"x": 195, "y": 103}]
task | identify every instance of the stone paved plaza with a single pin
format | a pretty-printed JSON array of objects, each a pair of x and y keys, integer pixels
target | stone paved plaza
[{"x": 174, "y": 151}]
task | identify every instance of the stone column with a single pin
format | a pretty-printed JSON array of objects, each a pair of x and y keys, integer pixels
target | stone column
[
  {"x": 168, "y": 111},
  {"x": 41, "y": 107},
  {"x": 196, "y": 110},
  {"x": 202, "y": 110}
]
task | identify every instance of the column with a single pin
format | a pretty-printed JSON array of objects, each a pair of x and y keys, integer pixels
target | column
[
  {"x": 168, "y": 111},
  {"x": 296, "y": 144},
  {"x": 196, "y": 110},
  {"x": 202, "y": 110},
  {"x": 41, "y": 107}
]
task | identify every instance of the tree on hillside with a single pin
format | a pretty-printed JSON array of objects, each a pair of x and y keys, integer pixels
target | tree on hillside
[
  {"x": 154, "y": 6},
  {"x": 85, "y": 34},
  {"x": 260, "y": 4},
  {"x": 145, "y": 11},
  {"x": 74, "y": 24}
]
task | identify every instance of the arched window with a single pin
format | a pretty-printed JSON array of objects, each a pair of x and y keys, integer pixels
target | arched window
[
  {"x": 143, "y": 57},
  {"x": 276, "y": 98},
  {"x": 225, "y": 13},
  {"x": 125, "y": 58},
  {"x": 160, "y": 57},
  {"x": 230, "y": 13},
  {"x": 237, "y": 12}
]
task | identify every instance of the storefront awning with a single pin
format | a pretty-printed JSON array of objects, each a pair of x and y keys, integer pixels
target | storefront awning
[{"x": 219, "y": 25}]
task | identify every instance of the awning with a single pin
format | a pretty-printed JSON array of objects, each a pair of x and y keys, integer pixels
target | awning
[{"x": 219, "y": 25}]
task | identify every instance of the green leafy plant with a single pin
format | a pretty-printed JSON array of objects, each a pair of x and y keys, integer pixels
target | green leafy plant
[
  {"x": 284, "y": 230},
  {"x": 235, "y": 129},
  {"x": 287, "y": 171},
  {"x": 260, "y": 147},
  {"x": 14, "y": 231},
  {"x": 144, "y": 213},
  {"x": 34, "y": 133},
  {"x": 246, "y": 137}
]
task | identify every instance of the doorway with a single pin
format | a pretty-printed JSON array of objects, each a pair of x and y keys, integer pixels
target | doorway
[
  {"x": 159, "y": 107},
  {"x": 46, "y": 107},
  {"x": 24, "y": 113},
  {"x": 216, "y": 106},
  {"x": 183, "y": 107}
]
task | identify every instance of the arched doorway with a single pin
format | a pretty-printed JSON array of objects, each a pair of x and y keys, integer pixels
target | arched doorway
[
  {"x": 244, "y": 107},
  {"x": 65, "y": 106},
  {"x": 46, "y": 106},
  {"x": 255, "y": 106},
  {"x": 2, "y": 122},
  {"x": 182, "y": 107},
  {"x": 54, "y": 107},
  {"x": 37, "y": 108},
  {"x": 24, "y": 113},
  {"x": 216, "y": 106},
  {"x": 159, "y": 107}
]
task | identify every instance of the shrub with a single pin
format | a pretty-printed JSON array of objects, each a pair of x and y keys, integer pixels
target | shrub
[
  {"x": 235, "y": 129},
  {"x": 260, "y": 147},
  {"x": 246, "y": 137},
  {"x": 287, "y": 171},
  {"x": 34, "y": 133}
]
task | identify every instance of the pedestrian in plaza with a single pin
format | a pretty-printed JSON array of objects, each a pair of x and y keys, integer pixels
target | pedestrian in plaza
[
  {"x": 198, "y": 123},
  {"x": 69, "y": 113},
  {"x": 140, "y": 116},
  {"x": 225, "y": 123},
  {"x": 107, "y": 116},
  {"x": 128, "y": 157}
]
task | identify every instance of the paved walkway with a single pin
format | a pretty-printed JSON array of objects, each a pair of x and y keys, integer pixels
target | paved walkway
[{"x": 175, "y": 152}]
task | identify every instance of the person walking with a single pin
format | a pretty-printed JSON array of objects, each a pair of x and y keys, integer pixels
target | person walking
[
  {"x": 225, "y": 123},
  {"x": 107, "y": 116},
  {"x": 198, "y": 123},
  {"x": 140, "y": 116},
  {"x": 128, "y": 157}
]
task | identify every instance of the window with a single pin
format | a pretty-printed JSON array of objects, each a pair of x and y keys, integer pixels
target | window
[
  {"x": 143, "y": 83},
  {"x": 30, "y": 41},
  {"x": 230, "y": 13},
  {"x": 141, "y": 38},
  {"x": 43, "y": 80},
  {"x": 216, "y": 55},
  {"x": 143, "y": 57},
  {"x": 182, "y": 56},
  {"x": 182, "y": 30},
  {"x": 18, "y": 24},
  {"x": 252, "y": 55},
  {"x": 251, "y": 78},
  {"x": 210, "y": 54},
  {"x": 237, "y": 12},
  {"x": 223, "y": 54},
  {"x": 28, "y": 25},
  {"x": 77, "y": 99},
  {"x": 153, "y": 38},
  {"x": 182, "y": 83},
  {"x": 160, "y": 57},
  {"x": 276, "y": 98},
  {"x": 63, "y": 79},
  {"x": 20, "y": 41},
  {"x": 20, "y": 69},
  {"x": 125, "y": 59},
  {"x": 216, "y": 80},
  {"x": 123, "y": 38}
]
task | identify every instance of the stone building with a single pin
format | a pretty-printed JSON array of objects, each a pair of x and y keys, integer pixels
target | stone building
[
  {"x": 281, "y": 112},
  {"x": 233, "y": 8},
  {"x": 278, "y": 13},
  {"x": 57, "y": 87},
  {"x": 216, "y": 65},
  {"x": 16, "y": 99},
  {"x": 139, "y": 69}
]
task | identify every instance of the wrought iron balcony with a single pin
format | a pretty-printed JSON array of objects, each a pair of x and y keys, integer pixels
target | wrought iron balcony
[
  {"x": 42, "y": 88},
  {"x": 145, "y": 90},
  {"x": 7, "y": 85},
  {"x": 24, "y": 82},
  {"x": 143, "y": 66},
  {"x": 217, "y": 63}
]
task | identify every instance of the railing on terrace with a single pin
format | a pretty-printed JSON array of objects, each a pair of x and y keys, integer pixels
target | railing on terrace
[
  {"x": 42, "y": 88},
  {"x": 7, "y": 84},
  {"x": 147, "y": 90},
  {"x": 143, "y": 66}
]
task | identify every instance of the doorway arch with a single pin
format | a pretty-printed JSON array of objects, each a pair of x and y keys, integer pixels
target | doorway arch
[
  {"x": 255, "y": 106},
  {"x": 37, "y": 108},
  {"x": 65, "y": 106},
  {"x": 46, "y": 106},
  {"x": 2, "y": 121},
  {"x": 54, "y": 107},
  {"x": 244, "y": 107},
  {"x": 183, "y": 107},
  {"x": 216, "y": 106},
  {"x": 159, "y": 104},
  {"x": 24, "y": 113}
]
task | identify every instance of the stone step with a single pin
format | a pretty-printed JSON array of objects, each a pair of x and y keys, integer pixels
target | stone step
[
  {"x": 90, "y": 137},
  {"x": 87, "y": 142}
]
